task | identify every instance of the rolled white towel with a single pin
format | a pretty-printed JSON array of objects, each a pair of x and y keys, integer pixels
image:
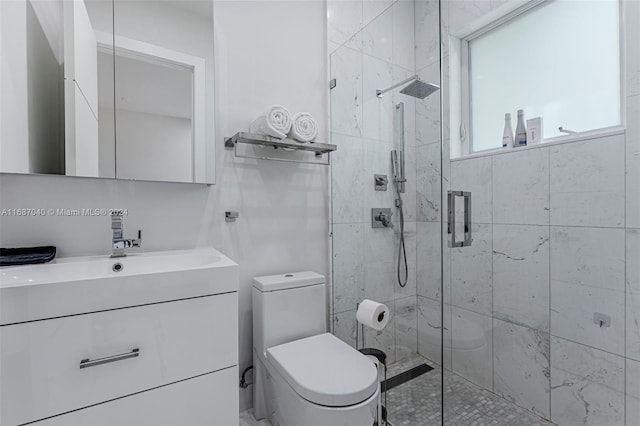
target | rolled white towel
[
  {"x": 304, "y": 128},
  {"x": 275, "y": 121}
]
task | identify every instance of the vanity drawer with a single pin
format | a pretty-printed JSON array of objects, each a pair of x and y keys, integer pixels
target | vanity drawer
[
  {"x": 203, "y": 400},
  {"x": 40, "y": 363}
]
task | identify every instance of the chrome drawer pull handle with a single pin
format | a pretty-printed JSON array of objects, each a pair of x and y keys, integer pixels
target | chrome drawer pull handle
[{"x": 85, "y": 363}]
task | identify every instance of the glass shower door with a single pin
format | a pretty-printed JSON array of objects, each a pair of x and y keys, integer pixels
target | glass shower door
[
  {"x": 522, "y": 289},
  {"x": 391, "y": 45},
  {"x": 541, "y": 308}
]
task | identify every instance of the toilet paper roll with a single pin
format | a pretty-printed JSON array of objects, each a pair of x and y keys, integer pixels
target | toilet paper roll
[{"x": 373, "y": 314}]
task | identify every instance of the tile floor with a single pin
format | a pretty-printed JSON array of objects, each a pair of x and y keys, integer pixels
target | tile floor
[
  {"x": 247, "y": 419},
  {"x": 417, "y": 402}
]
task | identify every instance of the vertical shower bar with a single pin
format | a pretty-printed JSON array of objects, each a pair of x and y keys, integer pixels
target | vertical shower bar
[{"x": 400, "y": 108}]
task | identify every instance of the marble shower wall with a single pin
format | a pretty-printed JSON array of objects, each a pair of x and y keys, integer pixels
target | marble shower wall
[
  {"x": 556, "y": 228},
  {"x": 371, "y": 46},
  {"x": 556, "y": 238}
]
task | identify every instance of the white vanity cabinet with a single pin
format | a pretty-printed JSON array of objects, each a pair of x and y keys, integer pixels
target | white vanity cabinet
[
  {"x": 168, "y": 362},
  {"x": 203, "y": 400}
]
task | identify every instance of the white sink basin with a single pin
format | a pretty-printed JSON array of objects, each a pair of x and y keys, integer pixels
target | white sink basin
[
  {"x": 99, "y": 282},
  {"x": 87, "y": 268}
]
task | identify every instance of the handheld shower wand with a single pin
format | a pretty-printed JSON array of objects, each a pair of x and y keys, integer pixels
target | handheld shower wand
[
  {"x": 397, "y": 169},
  {"x": 398, "y": 183}
]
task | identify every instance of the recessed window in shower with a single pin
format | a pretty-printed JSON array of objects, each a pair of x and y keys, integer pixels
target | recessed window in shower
[{"x": 557, "y": 60}]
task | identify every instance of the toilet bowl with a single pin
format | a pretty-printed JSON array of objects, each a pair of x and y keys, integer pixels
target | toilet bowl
[
  {"x": 305, "y": 376},
  {"x": 319, "y": 380}
]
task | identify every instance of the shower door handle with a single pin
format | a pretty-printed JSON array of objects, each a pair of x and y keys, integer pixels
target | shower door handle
[{"x": 451, "y": 223}]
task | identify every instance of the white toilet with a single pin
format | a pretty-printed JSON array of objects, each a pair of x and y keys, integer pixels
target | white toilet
[{"x": 305, "y": 376}]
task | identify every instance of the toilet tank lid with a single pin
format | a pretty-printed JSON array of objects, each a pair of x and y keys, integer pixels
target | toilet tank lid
[{"x": 288, "y": 280}]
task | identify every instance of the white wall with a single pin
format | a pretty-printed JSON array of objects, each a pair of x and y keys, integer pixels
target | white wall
[
  {"x": 80, "y": 92},
  {"x": 30, "y": 90},
  {"x": 14, "y": 106},
  {"x": 163, "y": 24},
  {"x": 266, "y": 52},
  {"x": 44, "y": 89},
  {"x": 154, "y": 147},
  {"x": 107, "y": 142}
]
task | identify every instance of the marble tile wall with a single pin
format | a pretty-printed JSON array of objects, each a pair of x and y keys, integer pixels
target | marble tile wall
[
  {"x": 533, "y": 282},
  {"x": 434, "y": 318},
  {"x": 595, "y": 177},
  {"x": 632, "y": 402},
  {"x": 398, "y": 339},
  {"x": 587, "y": 276},
  {"x": 371, "y": 46},
  {"x": 472, "y": 346},
  {"x": 430, "y": 323},
  {"x": 556, "y": 228},
  {"x": 521, "y": 275},
  {"x": 521, "y": 366},
  {"x": 556, "y": 239},
  {"x": 587, "y": 385}
]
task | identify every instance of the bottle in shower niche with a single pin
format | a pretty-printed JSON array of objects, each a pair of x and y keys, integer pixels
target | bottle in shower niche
[
  {"x": 507, "y": 135},
  {"x": 521, "y": 132}
]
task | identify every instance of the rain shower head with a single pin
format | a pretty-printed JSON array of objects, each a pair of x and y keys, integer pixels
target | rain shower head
[{"x": 418, "y": 88}]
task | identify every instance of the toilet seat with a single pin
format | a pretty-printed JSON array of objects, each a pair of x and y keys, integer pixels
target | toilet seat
[{"x": 324, "y": 370}]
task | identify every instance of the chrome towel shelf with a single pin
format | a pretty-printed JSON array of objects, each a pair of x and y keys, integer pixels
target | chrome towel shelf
[{"x": 270, "y": 148}]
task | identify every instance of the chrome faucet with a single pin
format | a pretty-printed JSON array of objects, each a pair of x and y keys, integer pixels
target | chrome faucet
[{"x": 118, "y": 242}]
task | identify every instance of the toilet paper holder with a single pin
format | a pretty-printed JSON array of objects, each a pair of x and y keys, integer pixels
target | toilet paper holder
[{"x": 381, "y": 356}]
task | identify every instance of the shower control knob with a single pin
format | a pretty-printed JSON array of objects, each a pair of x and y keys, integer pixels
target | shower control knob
[
  {"x": 381, "y": 217},
  {"x": 385, "y": 219},
  {"x": 381, "y": 182}
]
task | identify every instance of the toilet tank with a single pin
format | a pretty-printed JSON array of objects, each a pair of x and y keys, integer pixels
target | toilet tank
[{"x": 287, "y": 307}]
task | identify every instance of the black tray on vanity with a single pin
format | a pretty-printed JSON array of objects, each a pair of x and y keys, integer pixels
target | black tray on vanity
[{"x": 26, "y": 255}]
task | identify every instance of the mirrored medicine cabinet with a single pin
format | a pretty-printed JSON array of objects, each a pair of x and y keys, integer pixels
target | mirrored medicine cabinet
[{"x": 108, "y": 88}]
